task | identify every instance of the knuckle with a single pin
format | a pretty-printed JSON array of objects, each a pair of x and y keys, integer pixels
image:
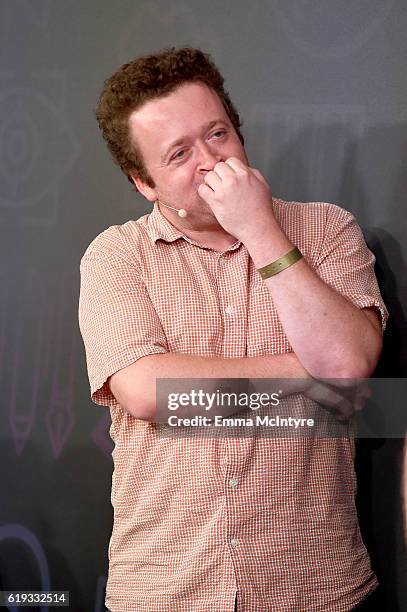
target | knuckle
[{"x": 230, "y": 179}]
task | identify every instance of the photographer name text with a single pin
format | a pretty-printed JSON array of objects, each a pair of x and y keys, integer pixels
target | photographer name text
[{"x": 258, "y": 421}]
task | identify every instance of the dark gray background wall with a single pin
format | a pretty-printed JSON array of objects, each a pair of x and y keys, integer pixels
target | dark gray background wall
[{"x": 322, "y": 90}]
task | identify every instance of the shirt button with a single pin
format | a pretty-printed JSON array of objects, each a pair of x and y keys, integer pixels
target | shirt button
[
  {"x": 221, "y": 262},
  {"x": 229, "y": 309},
  {"x": 234, "y": 543},
  {"x": 233, "y": 482}
]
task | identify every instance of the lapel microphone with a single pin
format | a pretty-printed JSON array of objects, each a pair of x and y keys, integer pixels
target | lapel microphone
[{"x": 181, "y": 211}]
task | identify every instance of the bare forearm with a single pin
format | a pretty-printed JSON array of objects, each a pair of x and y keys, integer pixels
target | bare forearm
[
  {"x": 135, "y": 386},
  {"x": 331, "y": 337}
]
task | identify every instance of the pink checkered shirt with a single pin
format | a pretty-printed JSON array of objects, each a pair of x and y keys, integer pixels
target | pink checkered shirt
[{"x": 197, "y": 521}]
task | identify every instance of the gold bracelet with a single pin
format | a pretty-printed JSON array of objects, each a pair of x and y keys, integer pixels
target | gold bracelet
[{"x": 280, "y": 264}]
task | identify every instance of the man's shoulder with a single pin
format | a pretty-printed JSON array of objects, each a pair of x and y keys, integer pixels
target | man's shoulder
[
  {"x": 310, "y": 224},
  {"x": 309, "y": 219},
  {"x": 120, "y": 240},
  {"x": 320, "y": 211}
]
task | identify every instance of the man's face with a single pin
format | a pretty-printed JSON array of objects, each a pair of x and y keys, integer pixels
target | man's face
[{"x": 182, "y": 136}]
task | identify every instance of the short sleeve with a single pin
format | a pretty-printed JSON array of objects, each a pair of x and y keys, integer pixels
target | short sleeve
[
  {"x": 117, "y": 320},
  {"x": 346, "y": 264}
]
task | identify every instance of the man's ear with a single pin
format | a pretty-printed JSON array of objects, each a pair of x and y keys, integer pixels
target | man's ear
[{"x": 148, "y": 192}]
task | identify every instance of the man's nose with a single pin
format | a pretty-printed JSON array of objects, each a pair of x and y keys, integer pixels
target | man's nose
[{"x": 207, "y": 158}]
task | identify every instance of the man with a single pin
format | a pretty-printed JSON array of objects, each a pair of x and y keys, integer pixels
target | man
[{"x": 247, "y": 523}]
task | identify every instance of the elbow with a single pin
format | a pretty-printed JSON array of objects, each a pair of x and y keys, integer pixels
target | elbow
[
  {"x": 135, "y": 406},
  {"x": 141, "y": 409},
  {"x": 134, "y": 392},
  {"x": 359, "y": 366},
  {"x": 356, "y": 365},
  {"x": 369, "y": 358}
]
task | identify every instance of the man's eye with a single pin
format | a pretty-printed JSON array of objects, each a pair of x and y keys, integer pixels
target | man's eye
[
  {"x": 219, "y": 133},
  {"x": 178, "y": 155}
]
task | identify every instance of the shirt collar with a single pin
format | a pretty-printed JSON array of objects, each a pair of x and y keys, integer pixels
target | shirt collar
[{"x": 159, "y": 228}]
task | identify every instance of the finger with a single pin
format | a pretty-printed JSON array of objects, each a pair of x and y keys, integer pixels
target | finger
[
  {"x": 332, "y": 401},
  {"x": 223, "y": 170},
  {"x": 206, "y": 193},
  {"x": 342, "y": 417},
  {"x": 329, "y": 395},
  {"x": 365, "y": 390},
  {"x": 238, "y": 166},
  {"x": 212, "y": 180},
  {"x": 359, "y": 404},
  {"x": 330, "y": 398},
  {"x": 344, "y": 411},
  {"x": 361, "y": 398}
]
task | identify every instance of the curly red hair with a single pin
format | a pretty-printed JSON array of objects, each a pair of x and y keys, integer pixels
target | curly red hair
[{"x": 144, "y": 79}]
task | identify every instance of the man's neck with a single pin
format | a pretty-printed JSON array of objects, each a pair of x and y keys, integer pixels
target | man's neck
[
  {"x": 217, "y": 240},
  {"x": 210, "y": 235}
]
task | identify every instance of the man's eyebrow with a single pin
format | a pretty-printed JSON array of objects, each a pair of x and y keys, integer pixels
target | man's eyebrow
[{"x": 180, "y": 141}]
